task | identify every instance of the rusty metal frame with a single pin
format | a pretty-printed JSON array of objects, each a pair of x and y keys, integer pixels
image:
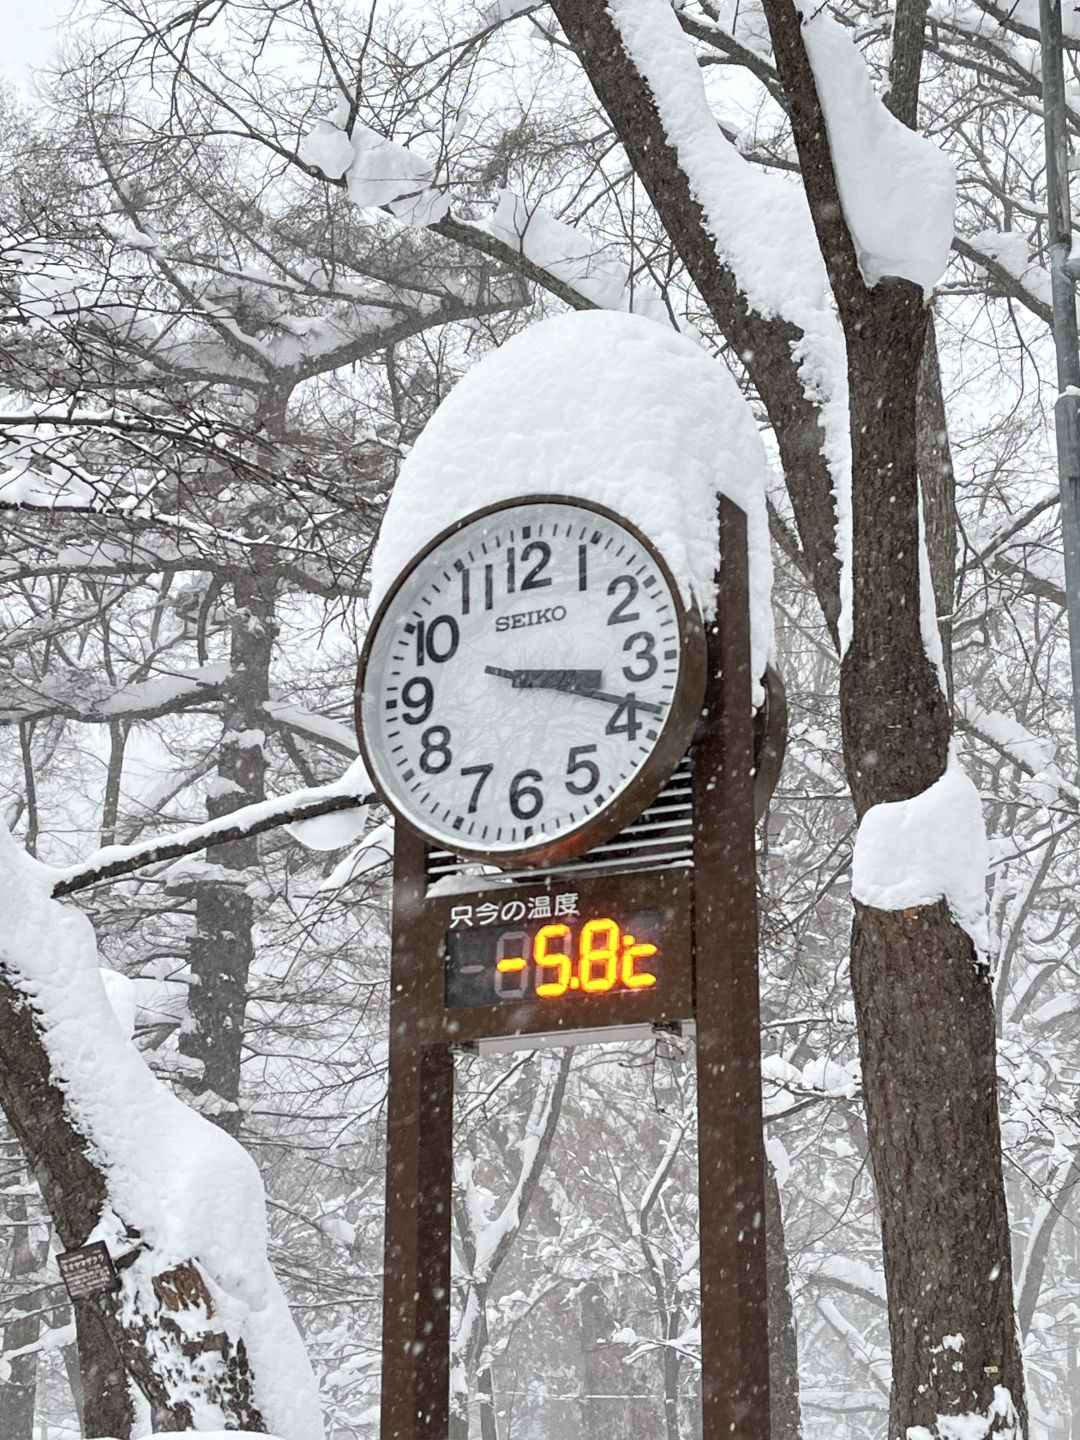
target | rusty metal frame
[{"x": 716, "y": 983}]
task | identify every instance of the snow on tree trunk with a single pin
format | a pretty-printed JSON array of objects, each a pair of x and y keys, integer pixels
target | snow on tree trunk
[
  {"x": 200, "y": 1325},
  {"x": 924, "y": 1006},
  {"x": 930, "y": 1143}
]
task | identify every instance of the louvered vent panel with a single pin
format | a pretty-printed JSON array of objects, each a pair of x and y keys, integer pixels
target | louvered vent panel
[{"x": 662, "y": 836}]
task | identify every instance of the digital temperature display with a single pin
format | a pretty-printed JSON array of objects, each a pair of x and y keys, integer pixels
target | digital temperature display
[{"x": 555, "y": 962}]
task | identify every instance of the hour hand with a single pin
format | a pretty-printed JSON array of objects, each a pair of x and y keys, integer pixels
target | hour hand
[{"x": 575, "y": 681}]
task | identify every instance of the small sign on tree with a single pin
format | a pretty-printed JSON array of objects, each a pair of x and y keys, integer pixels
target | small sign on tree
[{"x": 88, "y": 1271}]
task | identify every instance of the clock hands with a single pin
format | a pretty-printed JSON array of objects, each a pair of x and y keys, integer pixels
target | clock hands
[{"x": 573, "y": 682}]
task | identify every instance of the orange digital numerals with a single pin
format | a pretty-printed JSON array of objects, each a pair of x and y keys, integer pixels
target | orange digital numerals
[{"x": 605, "y": 957}]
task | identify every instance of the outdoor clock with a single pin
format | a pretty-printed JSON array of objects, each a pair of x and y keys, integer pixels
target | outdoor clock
[{"x": 529, "y": 682}]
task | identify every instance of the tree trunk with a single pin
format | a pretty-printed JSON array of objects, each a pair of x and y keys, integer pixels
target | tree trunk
[
  {"x": 106, "y": 1408},
  {"x": 18, "y": 1392},
  {"x": 937, "y": 481},
  {"x": 154, "y": 1345},
  {"x": 485, "y": 1382},
  {"x": 672, "y": 1364},
  {"x": 222, "y": 948},
  {"x": 895, "y": 716},
  {"x": 896, "y": 726},
  {"x": 923, "y": 1003},
  {"x": 73, "y": 1371},
  {"x": 785, "y": 1418},
  {"x": 935, "y": 1143}
]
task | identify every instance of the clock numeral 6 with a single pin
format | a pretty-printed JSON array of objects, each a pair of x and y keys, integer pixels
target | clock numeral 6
[
  {"x": 435, "y": 756},
  {"x": 526, "y": 800},
  {"x": 575, "y": 765}
]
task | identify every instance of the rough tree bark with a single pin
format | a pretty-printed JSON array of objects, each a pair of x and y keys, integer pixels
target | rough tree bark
[
  {"x": 153, "y": 1348},
  {"x": 785, "y": 1417},
  {"x": 223, "y": 947},
  {"x": 929, "y": 1080},
  {"x": 923, "y": 1001},
  {"x": 18, "y": 1389},
  {"x": 937, "y": 480}
]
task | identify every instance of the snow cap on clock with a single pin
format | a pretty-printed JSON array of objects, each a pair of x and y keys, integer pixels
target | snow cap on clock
[{"x": 602, "y": 406}]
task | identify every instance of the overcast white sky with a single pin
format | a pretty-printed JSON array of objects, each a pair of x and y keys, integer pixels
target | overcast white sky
[{"x": 28, "y": 34}]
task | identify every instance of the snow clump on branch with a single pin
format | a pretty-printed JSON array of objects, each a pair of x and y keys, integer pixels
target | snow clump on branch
[{"x": 377, "y": 172}]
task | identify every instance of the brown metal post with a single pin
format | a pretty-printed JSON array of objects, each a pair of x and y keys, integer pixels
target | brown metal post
[
  {"x": 419, "y": 1175},
  {"x": 734, "y": 1324}
]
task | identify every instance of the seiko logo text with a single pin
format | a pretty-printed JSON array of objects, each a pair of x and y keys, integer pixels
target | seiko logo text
[{"x": 530, "y": 617}]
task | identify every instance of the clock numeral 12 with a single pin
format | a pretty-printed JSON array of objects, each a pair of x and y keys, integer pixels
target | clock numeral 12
[{"x": 539, "y": 551}]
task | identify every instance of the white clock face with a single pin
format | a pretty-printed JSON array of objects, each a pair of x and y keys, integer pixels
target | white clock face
[{"x": 519, "y": 678}]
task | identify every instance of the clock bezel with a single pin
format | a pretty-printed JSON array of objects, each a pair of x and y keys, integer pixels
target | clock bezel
[{"x": 674, "y": 740}]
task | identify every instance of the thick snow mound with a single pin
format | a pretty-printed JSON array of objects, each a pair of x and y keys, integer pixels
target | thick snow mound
[
  {"x": 187, "y": 1188},
  {"x": 598, "y": 406},
  {"x": 929, "y": 848},
  {"x": 897, "y": 189}
]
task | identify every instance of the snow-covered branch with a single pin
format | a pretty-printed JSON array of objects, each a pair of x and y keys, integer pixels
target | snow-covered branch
[
  {"x": 1004, "y": 259},
  {"x": 58, "y": 694},
  {"x": 351, "y": 792}
]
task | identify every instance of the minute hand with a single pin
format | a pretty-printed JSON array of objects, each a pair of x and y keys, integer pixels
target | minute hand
[
  {"x": 573, "y": 682},
  {"x": 611, "y": 699}
]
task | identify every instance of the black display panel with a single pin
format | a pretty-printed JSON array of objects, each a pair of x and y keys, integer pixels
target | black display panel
[{"x": 555, "y": 962}]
